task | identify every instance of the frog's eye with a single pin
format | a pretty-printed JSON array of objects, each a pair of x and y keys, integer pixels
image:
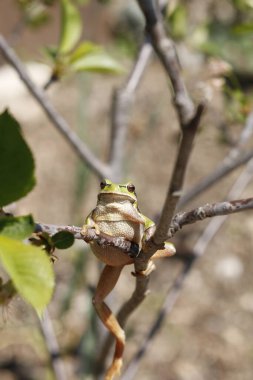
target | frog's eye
[
  {"x": 131, "y": 188},
  {"x": 102, "y": 185}
]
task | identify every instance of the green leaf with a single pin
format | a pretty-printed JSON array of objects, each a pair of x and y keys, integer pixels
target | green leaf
[
  {"x": 30, "y": 270},
  {"x": 16, "y": 161},
  {"x": 71, "y": 27},
  {"x": 99, "y": 62},
  {"x": 18, "y": 228},
  {"x": 178, "y": 22},
  {"x": 84, "y": 49},
  {"x": 63, "y": 239}
]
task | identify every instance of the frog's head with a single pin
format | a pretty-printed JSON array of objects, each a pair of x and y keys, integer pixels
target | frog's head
[{"x": 118, "y": 192}]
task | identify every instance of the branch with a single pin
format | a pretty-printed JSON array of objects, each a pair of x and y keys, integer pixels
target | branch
[
  {"x": 52, "y": 347},
  {"x": 165, "y": 50},
  {"x": 104, "y": 240},
  {"x": 208, "y": 211},
  {"x": 166, "y": 308},
  {"x": 122, "y": 102},
  {"x": 232, "y": 161},
  {"x": 58, "y": 121},
  {"x": 177, "y": 180}
]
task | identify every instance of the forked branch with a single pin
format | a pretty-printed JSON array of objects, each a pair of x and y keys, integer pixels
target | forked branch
[
  {"x": 122, "y": 103},
  {"x": 165, "y": 49},
  {"x": 82, "y": 150}
]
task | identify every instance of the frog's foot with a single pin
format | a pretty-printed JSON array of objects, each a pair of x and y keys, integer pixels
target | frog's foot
[
  {"x": 88, "y": 227},
  {"x": 150, "y": 268},
  {"x": 169, "y": 250}
]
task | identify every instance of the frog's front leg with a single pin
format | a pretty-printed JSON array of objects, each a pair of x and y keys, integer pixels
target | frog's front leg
[
  {"x": 107, "y": 281},
  {"x": 89, "y": 223}
]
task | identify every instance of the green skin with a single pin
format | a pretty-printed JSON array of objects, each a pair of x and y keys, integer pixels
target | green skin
[{"x": 117, "y": 214}]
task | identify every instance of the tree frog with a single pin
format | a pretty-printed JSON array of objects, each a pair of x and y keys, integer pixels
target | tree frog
[{"x": 117, "y": 214}]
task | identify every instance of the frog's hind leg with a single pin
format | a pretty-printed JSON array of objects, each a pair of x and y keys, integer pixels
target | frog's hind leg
[{"x": 107, "y": 281}]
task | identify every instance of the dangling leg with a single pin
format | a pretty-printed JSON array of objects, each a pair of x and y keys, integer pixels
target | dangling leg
[{"x": 107, "y": 281}]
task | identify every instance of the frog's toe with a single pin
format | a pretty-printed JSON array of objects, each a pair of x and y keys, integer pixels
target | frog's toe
[
  {"x": 150, "y": 268},
  {"x": 87, "y": 227},
  {"x": 97, "y": 230}
]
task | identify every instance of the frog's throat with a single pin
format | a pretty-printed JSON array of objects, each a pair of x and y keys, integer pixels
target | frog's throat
[{"x": 116, "y": 197}]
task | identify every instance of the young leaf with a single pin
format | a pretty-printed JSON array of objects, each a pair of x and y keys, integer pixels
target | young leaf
[
  {"x": 99, "y": 62},
  {"x": 30, "y": 270},
  {"x": 16, "y": 161},
  {"x": 71, "y": 27},
  {"x": 83, "y": 50},
  {"x": 63, "y": 239},
  {"x": 17, "y": 228}
]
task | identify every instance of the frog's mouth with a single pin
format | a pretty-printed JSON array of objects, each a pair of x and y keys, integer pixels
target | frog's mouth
[{"x": 116, "y": 197}]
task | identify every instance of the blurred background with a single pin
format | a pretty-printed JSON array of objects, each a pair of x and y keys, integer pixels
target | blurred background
[{"x": 208, "y": 335}]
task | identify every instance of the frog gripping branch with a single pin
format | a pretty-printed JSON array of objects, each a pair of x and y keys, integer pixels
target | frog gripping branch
[{"x": 117, "y": 214}]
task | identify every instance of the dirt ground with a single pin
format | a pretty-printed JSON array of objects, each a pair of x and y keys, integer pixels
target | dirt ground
[{"x": 208, "y": 334}]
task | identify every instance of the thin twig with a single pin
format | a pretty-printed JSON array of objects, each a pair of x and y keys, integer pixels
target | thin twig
[
  {"x": 175, "y": 290},
  {"x": 208, "y": 211},
  {"x": 104, "y": 240},
  {"x": 177, "y": 180},
  {"x": 213, "y": 227},
  {"x": 167, "y": 306},
  {"x": 53, "y": 347},
  {"x": 58, "y": 121},
  {"x": 52, "y": 229},
  {"x": 232, "y": 161},
  {"x": 166, "y": 51},
  {"x": 122, "y": 102}
]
